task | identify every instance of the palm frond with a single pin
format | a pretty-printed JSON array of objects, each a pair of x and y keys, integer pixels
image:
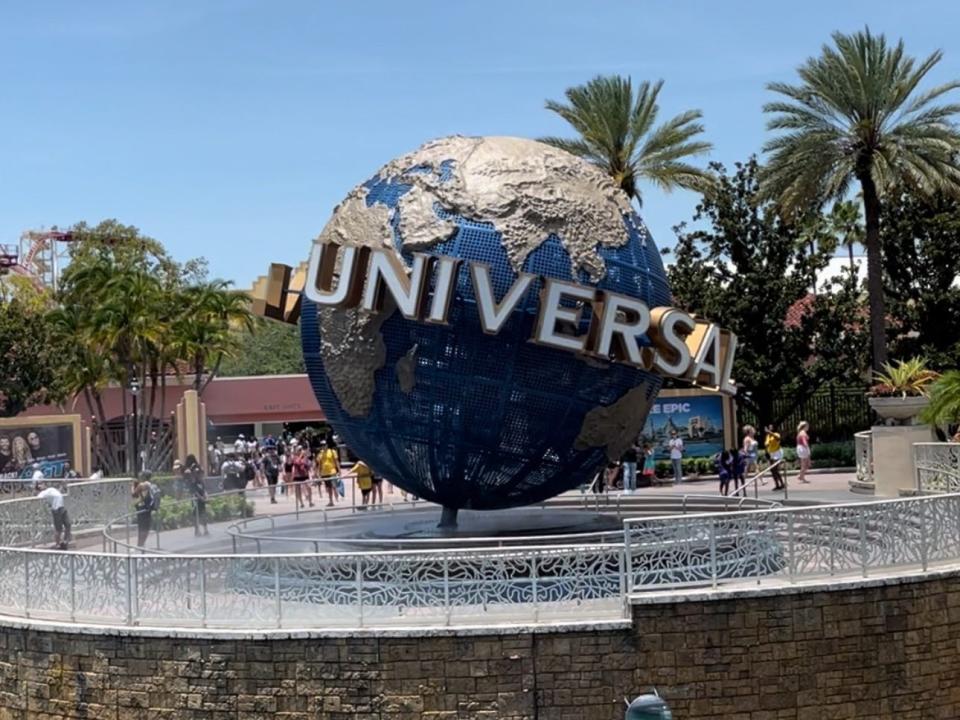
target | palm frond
[{"x": 615, "y": 128}]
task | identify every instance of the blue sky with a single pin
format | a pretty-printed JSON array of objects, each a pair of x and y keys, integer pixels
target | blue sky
[{"x": 230, "y": 129}]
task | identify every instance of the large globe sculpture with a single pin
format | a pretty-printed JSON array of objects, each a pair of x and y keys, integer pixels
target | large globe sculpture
[{"x": 450, "y": 413}]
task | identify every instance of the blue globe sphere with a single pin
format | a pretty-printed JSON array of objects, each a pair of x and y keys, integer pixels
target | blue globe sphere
[{"x": 491, "y": 421}]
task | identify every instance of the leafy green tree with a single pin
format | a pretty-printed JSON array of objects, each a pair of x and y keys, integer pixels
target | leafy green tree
[
  {"x": 273, "y": 348},
  {"x": 858, "y": 116},
  {"x": 616, "y": 131},
  {"x": 751, "y": 269},
  {"x": 131, "y": 313},
  {"x": 921, "y": 261},
  {"x": 29, "y": 358}
]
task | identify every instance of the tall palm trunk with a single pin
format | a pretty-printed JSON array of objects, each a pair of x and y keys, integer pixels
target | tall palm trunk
[
  {"x": 853, "y": 266},
  {"x": 878, "y": 310}
]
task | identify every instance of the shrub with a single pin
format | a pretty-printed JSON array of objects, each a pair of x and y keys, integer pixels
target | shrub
[
  {"x": 834, "y": 454},
  {"x": 175, "y": 513}
]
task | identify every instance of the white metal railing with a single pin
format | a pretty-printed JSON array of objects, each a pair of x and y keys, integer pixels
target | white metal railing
[
  {"x": 580, "y": 580},
  {"x": 758, "y": 478},
  {"x": 863, "y": 447},
  {"x": 790, "y": 545},
  {"x": 938, "y": 467}
]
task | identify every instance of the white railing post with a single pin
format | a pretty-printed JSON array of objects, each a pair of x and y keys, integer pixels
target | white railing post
[
  {"x": 924, "y": 552},
  {"x": 628, "y": 557},
  {"x": 791, "y": 550},
  {"x": 129, "y": 588},
  {"x": 276, "y": 590},
  {"x": 73, "y": 587},
  {"x": 862, "y": 515},
  {"x": 26, "y": 584},
  {"x": 360, "y": 588},
  {"x": 533, "y": 587},
  {"x": 446, "y": 587},
  {"x": 713, "y": 554},
  {"x": 203, "y": 592}
]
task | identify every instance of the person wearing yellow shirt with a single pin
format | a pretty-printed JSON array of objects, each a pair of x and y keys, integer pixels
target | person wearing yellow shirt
[
  {"x": 328, "y": 468},
  {"x": 771, "y": 443},
  {"x": 364, "y": 475}
]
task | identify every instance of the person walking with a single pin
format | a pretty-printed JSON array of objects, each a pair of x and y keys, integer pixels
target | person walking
[
  {"x": 193, "y": 484},
  {"x": 611, "y": 474},
  {"x": 629, "y": 462},
  {"x": 771, "y": 444},
  {"x": 61, "y": 520},
  {"x": 750, "y": 450},
  {"x": 301, "y": 477},
  {"x": 377, "y": 490},
  {"x": 649, "y": 466},
  {"x": 676, "y": 456},
  {"x": 738, "y": 464},
  {"x": 722, "y": 460},
  {"x": 145, "y": 501},
  {"x": 270, "y": 465},
  {"x": 803, "y": 450},
  {"x": 328, "y": 465}
]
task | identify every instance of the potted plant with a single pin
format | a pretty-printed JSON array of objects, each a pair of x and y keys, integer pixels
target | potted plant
[
  {"x": 944, "y": 408},
  {"x": 900, "y": 392}
]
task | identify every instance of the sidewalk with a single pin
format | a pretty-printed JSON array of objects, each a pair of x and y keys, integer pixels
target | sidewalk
[{"x": 822, "y": 488}]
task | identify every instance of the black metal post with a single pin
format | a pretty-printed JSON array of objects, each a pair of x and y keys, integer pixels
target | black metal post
[{"x": 136, "y": 439}]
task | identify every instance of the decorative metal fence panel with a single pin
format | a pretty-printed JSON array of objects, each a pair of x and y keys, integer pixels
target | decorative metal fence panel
[
  {"x": 791, "y": 545},
  {"x": 863, "y": 446},
  {"x": 938, "y": 467},
  {"x": 834, "y": 413},
  {"x": 578, "y": 580}
]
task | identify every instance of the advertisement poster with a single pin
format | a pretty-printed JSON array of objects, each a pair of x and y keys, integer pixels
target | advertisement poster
[
  {"x": 697, "y": 420},
  {"x": 26, "y": 445}
]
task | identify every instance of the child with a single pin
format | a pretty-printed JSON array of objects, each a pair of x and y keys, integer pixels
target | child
[
  {"x": 722, "y": 461},
  {"x": 649, "y": 466}
]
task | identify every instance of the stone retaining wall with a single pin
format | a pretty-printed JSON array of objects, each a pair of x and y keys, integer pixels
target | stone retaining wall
[{"x": 875, "y": 651}]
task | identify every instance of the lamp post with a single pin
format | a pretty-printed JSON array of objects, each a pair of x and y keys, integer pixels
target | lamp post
[
  {"x": 648, "y": 707},
  {"x": 134, "y": 388}
]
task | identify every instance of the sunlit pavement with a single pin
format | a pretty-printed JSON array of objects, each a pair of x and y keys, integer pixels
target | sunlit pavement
[{"x": 822, "y": 488}]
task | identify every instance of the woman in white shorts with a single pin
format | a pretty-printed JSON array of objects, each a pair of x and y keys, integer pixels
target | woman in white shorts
[{"x": 803, "y": 450}]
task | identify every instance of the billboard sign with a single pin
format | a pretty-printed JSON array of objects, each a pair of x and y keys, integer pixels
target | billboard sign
[
  {"x": 50, "y": 443},
  {"x": 698, "y": 420}
]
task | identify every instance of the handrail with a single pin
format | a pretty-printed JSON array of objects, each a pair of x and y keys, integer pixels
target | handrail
[
  {"x": 755, "y": 479},
  {"x": 236, "y": 529},
  {"x": 937, "y": 466}
]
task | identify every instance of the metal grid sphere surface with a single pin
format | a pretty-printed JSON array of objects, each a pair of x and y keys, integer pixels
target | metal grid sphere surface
[{"x": 491, "y": 420}]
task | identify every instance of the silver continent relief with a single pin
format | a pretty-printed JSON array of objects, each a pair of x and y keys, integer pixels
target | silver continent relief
[{"x": 525, "y": 189}]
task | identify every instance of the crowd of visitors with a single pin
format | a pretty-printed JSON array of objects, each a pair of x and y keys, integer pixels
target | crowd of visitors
[
  {"x": 291, "y": 463},
  {"x": 637, "y": 465}
]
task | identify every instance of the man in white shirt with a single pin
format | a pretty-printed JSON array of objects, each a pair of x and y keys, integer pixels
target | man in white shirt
[
  {"x": 676, "y": 456},
  {"x": 61, "y": 521},
  {"x": 240, "y": 445}
]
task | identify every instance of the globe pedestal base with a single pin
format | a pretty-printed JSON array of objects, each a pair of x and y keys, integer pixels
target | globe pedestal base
[{"x": 448, "y": 518}]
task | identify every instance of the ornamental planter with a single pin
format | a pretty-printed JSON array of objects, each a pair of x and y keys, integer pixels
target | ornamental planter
[{"x": 899, "y": 409}]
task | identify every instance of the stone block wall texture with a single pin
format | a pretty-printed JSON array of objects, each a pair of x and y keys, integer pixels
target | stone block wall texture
[{"x": 879, "y": 652}]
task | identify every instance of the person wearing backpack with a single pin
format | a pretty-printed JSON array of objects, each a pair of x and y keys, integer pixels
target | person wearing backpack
[
  {"x": 193, "y": 483},
  {"x": 146, "y": 499}
]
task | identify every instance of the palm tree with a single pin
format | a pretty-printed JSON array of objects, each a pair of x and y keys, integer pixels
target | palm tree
[
  {"x": 857, "y": 115},
  {"x": 845, "y": 218},
  {"x": 209, "y": 313},
  {"x": 616, "y": 132}
]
